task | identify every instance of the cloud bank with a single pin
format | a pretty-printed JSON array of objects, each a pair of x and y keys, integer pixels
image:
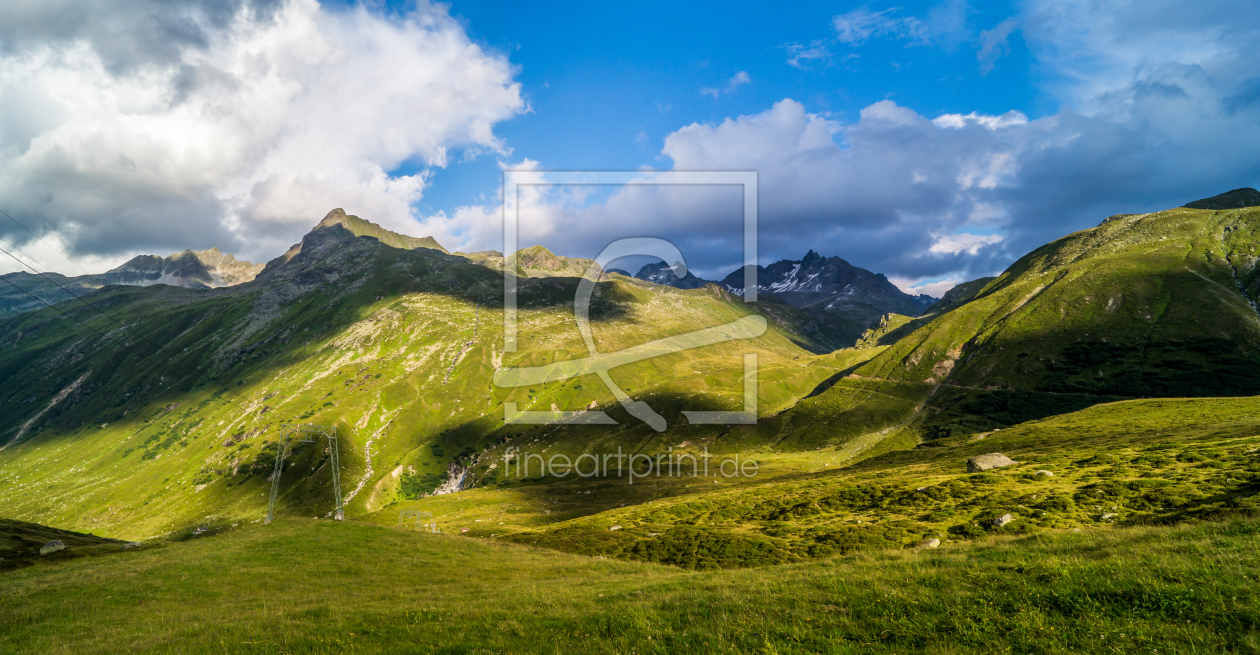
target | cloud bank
[
  {"x": 155, "y": 126},
  {"x": 1160, "y": 105}
]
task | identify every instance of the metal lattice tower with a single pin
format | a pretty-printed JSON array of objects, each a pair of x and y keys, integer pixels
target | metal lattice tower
[{"x": 307, "y": 434}]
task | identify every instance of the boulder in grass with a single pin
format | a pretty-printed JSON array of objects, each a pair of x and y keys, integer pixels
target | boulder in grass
[
  {"x": 1002, "y": 520},
  {"x": 615, "y": 527},
  {"x": 929, "y": 543},
  {"x": 52, "y": 547},
  {"x": 988, "y": 461},
  {"x": 1042, "y": 475}
]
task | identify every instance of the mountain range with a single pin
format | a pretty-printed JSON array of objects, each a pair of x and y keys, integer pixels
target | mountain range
[
  {"x": 850, "y": 300},
  {"x": 158, "y": 408},
  {"x": 206, "y": 269}
]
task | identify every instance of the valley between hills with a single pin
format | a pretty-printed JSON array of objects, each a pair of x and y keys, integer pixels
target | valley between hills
[{"x": 1117, "y": 370}]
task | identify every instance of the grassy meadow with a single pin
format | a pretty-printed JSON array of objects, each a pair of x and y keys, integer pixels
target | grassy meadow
[{"x": 317, "y": 586}]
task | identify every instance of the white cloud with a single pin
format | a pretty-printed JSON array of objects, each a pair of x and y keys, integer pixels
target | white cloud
[
  {"x": 244, "y": 136},
  {"x": 944, "y": 25},
  {"x": 875, "y": 200},
  {"x": 953, "y": 244},
  {"x": 1088, "y": 48},
  {"x": 932, "y": 287},
  {"x": 994, "y": 45},
  {"x": 899, "y": 193},
  {"x": 858, "y": 26},
  {"x": 959, "y": 121},
  {"x": 805, "y": 56},
  {"x": 737, "y": 80}
]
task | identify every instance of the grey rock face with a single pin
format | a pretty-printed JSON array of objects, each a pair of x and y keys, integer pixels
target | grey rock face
[
  {"x": 988, "y": 461},
  {"x": 52, "y": 547}
]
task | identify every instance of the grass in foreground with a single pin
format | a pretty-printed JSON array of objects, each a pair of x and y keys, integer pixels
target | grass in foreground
[{"x": 303, "y": 586}]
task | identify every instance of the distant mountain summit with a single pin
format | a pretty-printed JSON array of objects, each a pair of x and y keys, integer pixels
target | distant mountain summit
[
  {"x": 853, "y": 296},
  {"x": 661, "y": 273},
  {"x": 853, "y": 299},
  {"x": 205, "y": 269},
  {"x": 361, "y": 228},
  {"x": 534, "y": 261},
  {"x": 195, "y": 269},
  {"x": 1236, "y": 199}
]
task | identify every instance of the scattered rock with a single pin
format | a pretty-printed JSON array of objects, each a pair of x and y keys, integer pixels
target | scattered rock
[
  {"x": 929, "y": 543},
  {"x": 200, "y": 530},
  {"x": 132, "y": 544},
  {"x": 1107, "y": 516},
  {"x": 615, "y": 527},
  {"x": 1002, "y": 520},
  {"x": 988, "y": 461},
  {"x": 1043, "y": 474},
  {"x": 52, "y": 547}
]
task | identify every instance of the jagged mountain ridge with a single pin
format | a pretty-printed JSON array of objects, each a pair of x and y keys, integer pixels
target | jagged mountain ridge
[
  {"x": 193, "y": 269},
  {"x": 397, "y": 347},
  {"x": 828, "y": 283},
  {"x": 855, "y": 299},
  {"x": 833, "y": 288},
  {"x": 206, "y": 269},
  {"x": 661, "y": 273},
  {"x": 363, "y": 228}
]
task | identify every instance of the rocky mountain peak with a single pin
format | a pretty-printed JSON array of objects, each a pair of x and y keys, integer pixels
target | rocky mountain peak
[
  {"x": 661, "y": 273},
  {"x": 364, "y": 228},
  {"x": 337, "y": 216},
  {"x": 1236, "y": 199}
]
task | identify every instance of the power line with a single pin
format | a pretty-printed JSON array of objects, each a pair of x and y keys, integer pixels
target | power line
[
  {"x": 174, "y": 359},
  {"x": 120, "y": 324},
  {"x": 98, "y": 332},
  {"x": 37, "y": 238}
]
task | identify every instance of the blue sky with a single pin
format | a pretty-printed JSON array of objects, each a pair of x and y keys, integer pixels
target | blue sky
[
  {"x": 606, "y": 84},
  {"x": 934, "y": 142}
]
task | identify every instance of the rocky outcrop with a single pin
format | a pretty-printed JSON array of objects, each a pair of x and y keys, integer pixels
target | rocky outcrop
[
  {"x": 1236, "y": 199},
  {"x": 662, "y": 274},
  {"x": 987, "y": 462}
]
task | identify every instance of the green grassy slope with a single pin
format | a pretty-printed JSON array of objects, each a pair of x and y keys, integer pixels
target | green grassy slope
[
  {"x": 1122, "y": 309},
  {"x": 20, "y": 544},
  {"x": 1158, "y": 461},
  {"x": 1150, "y": 305},
  {"x": 396, "y": 347},
  {"x": 303, "y": 586},
  {"x": 399, "y": 347}
]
